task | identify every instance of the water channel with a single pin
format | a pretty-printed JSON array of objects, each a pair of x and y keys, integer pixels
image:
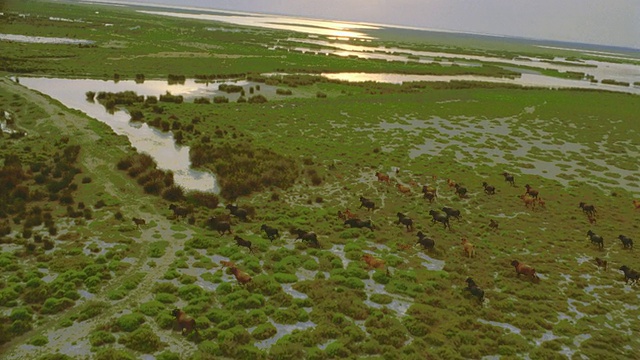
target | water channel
[{"x": 159, "y": 145}]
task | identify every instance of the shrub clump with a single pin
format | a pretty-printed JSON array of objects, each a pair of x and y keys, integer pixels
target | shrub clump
[
  {"x": 243, "y": 169},
  {"x": 257, "y": 99},
  {"x": 230, "y": 88},
  {"x": 100, "y": 338},
  {"x": 143, "y": 339},
  {"x": 129, "y": 322},
  {"x": 283, "y": 92}
]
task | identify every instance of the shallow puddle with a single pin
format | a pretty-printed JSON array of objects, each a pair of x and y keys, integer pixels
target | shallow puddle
[
  {"x": 288, "y": 288},
  {"x": 399, "y": 304},
  {"x": 431, "y": 263},
  {"x": 98, "y": 247},
  {"x": 506, "y": 326},
  {"x": 48, "y": 277},
  {"x": 547, "y": 336},
  {"x": 282, "y": 330}
]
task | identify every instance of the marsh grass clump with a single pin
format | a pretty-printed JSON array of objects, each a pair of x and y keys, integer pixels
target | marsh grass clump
[
  {"x": 280, "y": 91},
  {"x": 91, "y": 310},
  {"x": 55, "y": 305},
  {"x": 128, "y": 322},
  {"x": 100, "y": 338},
  {"x": 169, "y": 98},
  {"x": 221, "y": 99},
  {"x": 243, "y": 170},
  {"x": 199, "y": 198},
  {"x": 39, "y": 340},
  {"x": 230, "y": 88},
  {"x": 257, "y": 99},
  {"x": 143, "y": 339}
]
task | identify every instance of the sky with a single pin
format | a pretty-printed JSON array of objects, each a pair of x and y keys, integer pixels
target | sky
[{"x": 602, "y": 22}]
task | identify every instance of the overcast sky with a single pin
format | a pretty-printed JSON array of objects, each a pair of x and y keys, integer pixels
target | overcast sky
[{"x": 605, "y": 22}]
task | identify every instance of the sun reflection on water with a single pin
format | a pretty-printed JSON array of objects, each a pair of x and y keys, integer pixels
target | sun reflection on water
[{"x": 334, "y": 29}]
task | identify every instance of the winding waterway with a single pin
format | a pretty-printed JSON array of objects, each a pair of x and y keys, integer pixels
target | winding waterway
[{"x": 159, "y": 145}]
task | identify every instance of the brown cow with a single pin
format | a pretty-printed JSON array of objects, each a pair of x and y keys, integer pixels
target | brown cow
[
  {"x": 373, "y": 262},
  {"x": 186, "y": 323},
  {"x": 383, "y": 177},
  {"x": 468, "y": 248},
  {"x": 525, "y": 269},
  {"x": 403, "y": 189}
]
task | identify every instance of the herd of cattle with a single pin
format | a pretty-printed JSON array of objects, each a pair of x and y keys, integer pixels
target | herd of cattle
[{"x": 531, "y": 198}]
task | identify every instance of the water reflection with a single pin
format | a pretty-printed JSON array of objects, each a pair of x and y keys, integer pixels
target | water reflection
[
  {"x": 43, "y": 39},
  {"x": 334, "y": 29},
  {"x": 525, "y": 79},
  {"x": 159, "y": 145},
  {"x": 599, "y": 70}
]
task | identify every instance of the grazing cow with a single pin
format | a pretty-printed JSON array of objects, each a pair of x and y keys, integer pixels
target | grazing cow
[
  {"x": 227, "y": 263},
  {"x": 488, "y": 189},
  {"x": 406, "y": 221},
  {"x": 242, "y": 277},
  {"x": 305, "y": 236},
  {"x": 238, "y": 212},
  {"x": 242, "y": 242},
  {"x": 219, "y": 226},
  {"x": 451, "y": 212},
  {"x": 426, "y": 242},
  {"x": 357, "y": 223},
  {"x": 139, "y": 222},
  {"x": 592, "y": 219},
  {"x": 430, "y": 193},
  {"x": 531, "y": 192},
  {"x": 440, "y": 217},
  {"x": 528, "y": 201},
  {"x": 430, "y": 196},
  {"x": 404, "y": 246},
  {"x": 590, "y": 210},
  {"x": 370, "y": 205},
  {"x": 272, "y": 233},
  {"x": 451, "y": 183},
  {"x": 493, "y": 224},
  {"x": 630, "y": 275},
  {"x": 636, "y": 204},
  {"x": 403, "y": 189},
  {"x": 186, "y": 323},
  {"x": 347, "y": 214},
  {"x": 475, "y": 289},
  {"x": 179, "y": 211},
  {"x": 509, "y": 178},
  {"x": 627, "y": 243},
  {"x": 461, "y": 191},
  {"x": 595, "y": 239},
  {"x": 541, "y": 203},
  {"x": 383, "y": 177},
  {"x": 524, "y": 269},
  {"x": 601, "y": 263},
  {"x": 373, "y": 262},
  {"x": 468, "y": 248}
]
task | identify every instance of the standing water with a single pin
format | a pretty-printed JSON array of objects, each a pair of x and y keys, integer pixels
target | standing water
[{"x": 159, "y": 145}]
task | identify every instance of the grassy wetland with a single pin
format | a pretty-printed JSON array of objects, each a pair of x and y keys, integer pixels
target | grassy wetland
[{"x": 81, "y": 280}]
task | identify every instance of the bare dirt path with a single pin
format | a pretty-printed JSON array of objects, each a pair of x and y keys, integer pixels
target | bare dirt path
[{"x": 96, "y": 160}]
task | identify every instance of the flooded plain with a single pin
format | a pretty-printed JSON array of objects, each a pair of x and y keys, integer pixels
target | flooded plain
[
  {"x": 43, "y": 40},
  {"x": 397, "y": 294},
  {"x": 476, "y": 140}
]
